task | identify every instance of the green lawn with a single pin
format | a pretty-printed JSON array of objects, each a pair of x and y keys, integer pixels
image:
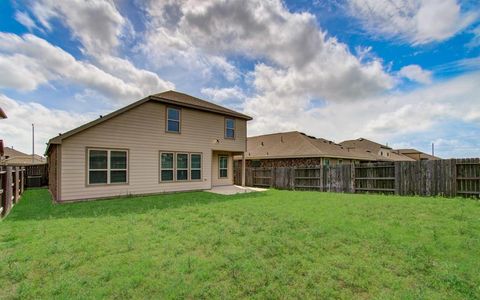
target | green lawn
[{"x": 278, "y": 244}]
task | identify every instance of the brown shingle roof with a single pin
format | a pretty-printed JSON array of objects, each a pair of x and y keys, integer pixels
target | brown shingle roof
[
  {"x": 296, "y": 144},
  {"x": 14, "y": 157},
  {"x": 182, "y": 99},
  {"x": 375, "y": 148},
  {"x": 168, "y": 97},
  {"x": 423, "y": 155}
]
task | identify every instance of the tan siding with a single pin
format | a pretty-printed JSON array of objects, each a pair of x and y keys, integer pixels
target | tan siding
[
  {"x": 142, "y": 131},
  {"x": 216, "y": 181}
]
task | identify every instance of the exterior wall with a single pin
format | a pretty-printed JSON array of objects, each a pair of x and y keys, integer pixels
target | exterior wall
[
  {"x": 141, "y": 130},
  {"x": 53, "y": 168},
  {"x": 296, "y": 162},
  {"x": 216, "y": 181}
]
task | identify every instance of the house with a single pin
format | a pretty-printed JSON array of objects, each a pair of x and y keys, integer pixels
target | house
[
  {"x": 14, "y": 157},
  {"x": 383, "y": 152},
  {"x": 294, "y": 149},
  {"x": 416, "y": 155},
  {"x": 166, "y": 142}
]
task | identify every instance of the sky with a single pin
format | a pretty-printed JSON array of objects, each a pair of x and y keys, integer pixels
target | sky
[{"x": 401, "y": 72}]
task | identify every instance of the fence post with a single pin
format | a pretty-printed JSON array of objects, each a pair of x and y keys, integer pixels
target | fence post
[
  {"x": 22, "y": 180},
  {"x": 15, "y": 185},
  {"x": 8, "y": 190},
  {"x": 397, "y": 177},
  {"x": 3, "y": 188}
]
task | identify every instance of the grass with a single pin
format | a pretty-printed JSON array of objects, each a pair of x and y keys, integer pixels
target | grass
[{"x": 278, "y": 244}]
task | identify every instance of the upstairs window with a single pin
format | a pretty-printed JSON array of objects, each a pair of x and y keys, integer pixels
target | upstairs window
[
  {"x": 107, "y": 166},
  {"x": 173, "y": 119},
  {"x": 229, "y": 128}
]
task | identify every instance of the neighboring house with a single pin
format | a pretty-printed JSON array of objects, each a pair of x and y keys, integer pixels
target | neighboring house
[
  {"x": 296, "y": 149},
  {"x": 165, "y": 142},
  {"x": 14, "y": 157},
  {"x": 2, "y": 116},
  {"x": 383, "y": 152},
  {"x": 416, "y": 155}
]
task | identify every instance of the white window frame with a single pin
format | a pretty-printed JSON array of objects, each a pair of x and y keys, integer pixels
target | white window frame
[
  {"x": 108, "y": 169},
  {"x": 195, "y": 169},
  {"x": 174, "y": 120},
  {"x": 168, "y": 169},
  {"x": 220, "y": 166},
  {"x": 182, "y": 169}
]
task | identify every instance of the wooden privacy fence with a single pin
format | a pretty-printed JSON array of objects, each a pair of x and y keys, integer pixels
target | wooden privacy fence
[
  {"x": 12, "y": 182},
  {"x": 36, "y": 175},
  {"x": 448, "y": 178}
]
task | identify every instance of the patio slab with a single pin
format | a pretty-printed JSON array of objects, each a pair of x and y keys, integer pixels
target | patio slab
[{"x": 234, "y": 189}]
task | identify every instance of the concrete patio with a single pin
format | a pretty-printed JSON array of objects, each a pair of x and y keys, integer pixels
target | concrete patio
[{"x": 234, "y": 189}]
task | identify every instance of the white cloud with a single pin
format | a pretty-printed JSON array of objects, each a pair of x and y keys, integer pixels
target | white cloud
[
  {"x": 299, "y": 61},
  {"x": 415, "y": 21},
  {"x": 97, "y": 24},
  {"x": 16, "y": 129},
  {"x": 395, "y": 117},
  {"x": 224, "y": 95},
  {"x": 416, "y": 73},
  {"x": 475, "y": 41},
  {"x": 24, "y": 19},
  {"x": 38, "y": 62}
]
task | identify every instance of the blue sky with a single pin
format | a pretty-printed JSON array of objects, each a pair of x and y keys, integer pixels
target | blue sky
[{"x": 402, "y": 72}]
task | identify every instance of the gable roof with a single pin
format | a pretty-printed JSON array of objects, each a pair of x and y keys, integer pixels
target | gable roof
[
  {"x": 9, "y": 151},
  {"x": 362, "y": 144},
  {"x": 14, "y": 157},
  {"x": 3, "y": 115},
  {"x": 296, "y": 144},
  {"x": 168, "y": 97},
  {"x": 423, "y": 155}
]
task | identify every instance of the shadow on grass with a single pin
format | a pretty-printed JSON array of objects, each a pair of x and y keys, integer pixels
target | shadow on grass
[{"x": 36, "y": 204}]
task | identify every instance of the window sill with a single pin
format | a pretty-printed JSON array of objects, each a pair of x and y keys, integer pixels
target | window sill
[{"x": 106, "y": 184}]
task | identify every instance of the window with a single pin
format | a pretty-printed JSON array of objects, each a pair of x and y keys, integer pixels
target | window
[
  {"x": 195, "y": 167},
  {"x": 107, "y": 166},
  {"x": 182, "y": 166},
  {"x": 340, "y": 161},
  {"x": 223, "y": 166},
  {"x": 229, "y": 128},
  {"x": 326, "y": 162},
  {"x": 173, "y": 119},
  {"x": 166, "y": 166}
]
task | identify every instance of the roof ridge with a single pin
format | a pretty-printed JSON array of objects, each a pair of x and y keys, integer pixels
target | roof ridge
[{"x": 308, "y": 138}]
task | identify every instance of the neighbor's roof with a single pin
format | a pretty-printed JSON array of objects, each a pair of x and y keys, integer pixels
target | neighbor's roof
[
  {"x": 296, "y": 144},
  {"x": 14, "y": 157},
  {"x": 423, "y": 155},
  {"x": 168, "y": 97},
  {"x": 3, "y": 115},
  {"x": 362, "y": 144}
]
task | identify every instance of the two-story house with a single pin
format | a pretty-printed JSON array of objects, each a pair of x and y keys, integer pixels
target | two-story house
[{"x": 165, "y": 142}]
